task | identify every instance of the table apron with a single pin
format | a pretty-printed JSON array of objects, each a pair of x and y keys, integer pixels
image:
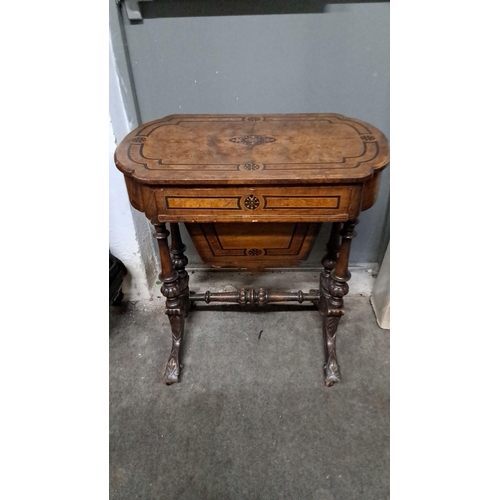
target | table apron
[{"x": 258, "y": 204}]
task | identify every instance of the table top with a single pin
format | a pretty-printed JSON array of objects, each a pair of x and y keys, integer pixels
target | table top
[{"x": 253, "y": 149}]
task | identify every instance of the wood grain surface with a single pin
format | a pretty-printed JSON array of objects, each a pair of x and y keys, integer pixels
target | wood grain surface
[{"x": 256, "y": 149}]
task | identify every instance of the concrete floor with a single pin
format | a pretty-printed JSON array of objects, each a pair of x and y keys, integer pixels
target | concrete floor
[{"x": 251, "y": 418}]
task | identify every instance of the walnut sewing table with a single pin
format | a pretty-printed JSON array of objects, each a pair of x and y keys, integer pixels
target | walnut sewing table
[{"x": 252, "y": 191}]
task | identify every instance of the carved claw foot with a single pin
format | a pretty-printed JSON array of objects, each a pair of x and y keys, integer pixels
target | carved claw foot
[
  {"x": 332, "y": 373},
  {"x": 171, "y": 374},
  {"x": 172, "y": 369}
]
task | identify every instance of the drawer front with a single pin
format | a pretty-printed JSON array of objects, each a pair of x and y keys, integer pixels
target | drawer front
[
  {"x": 253, "y": 246},
  {"x": 259, "y": 204}
]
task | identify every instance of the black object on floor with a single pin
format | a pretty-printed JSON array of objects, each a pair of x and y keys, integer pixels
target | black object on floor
[{"x": 117, "y": 272}]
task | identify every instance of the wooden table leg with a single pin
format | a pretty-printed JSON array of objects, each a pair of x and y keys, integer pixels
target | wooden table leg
[
  {"x": 180, "y": 261},
  {"x": 333, "y": 287},
  {"x": 175, "y": 288}
]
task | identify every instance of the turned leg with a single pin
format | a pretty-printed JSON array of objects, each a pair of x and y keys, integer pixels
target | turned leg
[
  {"x": 176, "y": 292},
  {"x": 326, "y": 305},
  {"x": 333, "y": 287},
  {"x": 180, "y": 261}
]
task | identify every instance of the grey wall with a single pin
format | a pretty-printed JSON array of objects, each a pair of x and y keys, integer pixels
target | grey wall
[{"x": 336, "y": 61}]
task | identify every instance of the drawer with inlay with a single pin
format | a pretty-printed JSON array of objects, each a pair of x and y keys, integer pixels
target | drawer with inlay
[{"x": 259, "y": 204}]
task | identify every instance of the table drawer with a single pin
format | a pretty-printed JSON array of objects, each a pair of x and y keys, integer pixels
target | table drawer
[{"x": 258, "y": 204}]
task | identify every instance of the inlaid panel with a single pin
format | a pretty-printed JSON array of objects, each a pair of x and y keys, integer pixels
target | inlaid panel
[
  {"x": 259, "y": 204},
  {"x": 258, "y": 149},
  {"x": 253, "y": 246}
]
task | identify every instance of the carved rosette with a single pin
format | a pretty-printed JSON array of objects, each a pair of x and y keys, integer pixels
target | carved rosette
[
  {"x": 367, "y": 138},
  {"x": 252, "y": 140},
  {"x": 251, "y": 166},
  {"x": 252, "y": 202},
  {"x": 254, "y": 252}
]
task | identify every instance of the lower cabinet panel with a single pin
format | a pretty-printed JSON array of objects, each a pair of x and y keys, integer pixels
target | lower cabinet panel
[{"x": 253, "y": 245}]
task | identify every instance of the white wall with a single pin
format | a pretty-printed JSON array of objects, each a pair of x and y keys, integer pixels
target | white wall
[
  {"x": 123, "y": 241},
  {"x": 122, "y": 238}
]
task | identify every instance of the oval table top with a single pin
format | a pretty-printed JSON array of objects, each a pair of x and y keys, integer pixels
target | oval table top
[{"x": 310, "y": 148}]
